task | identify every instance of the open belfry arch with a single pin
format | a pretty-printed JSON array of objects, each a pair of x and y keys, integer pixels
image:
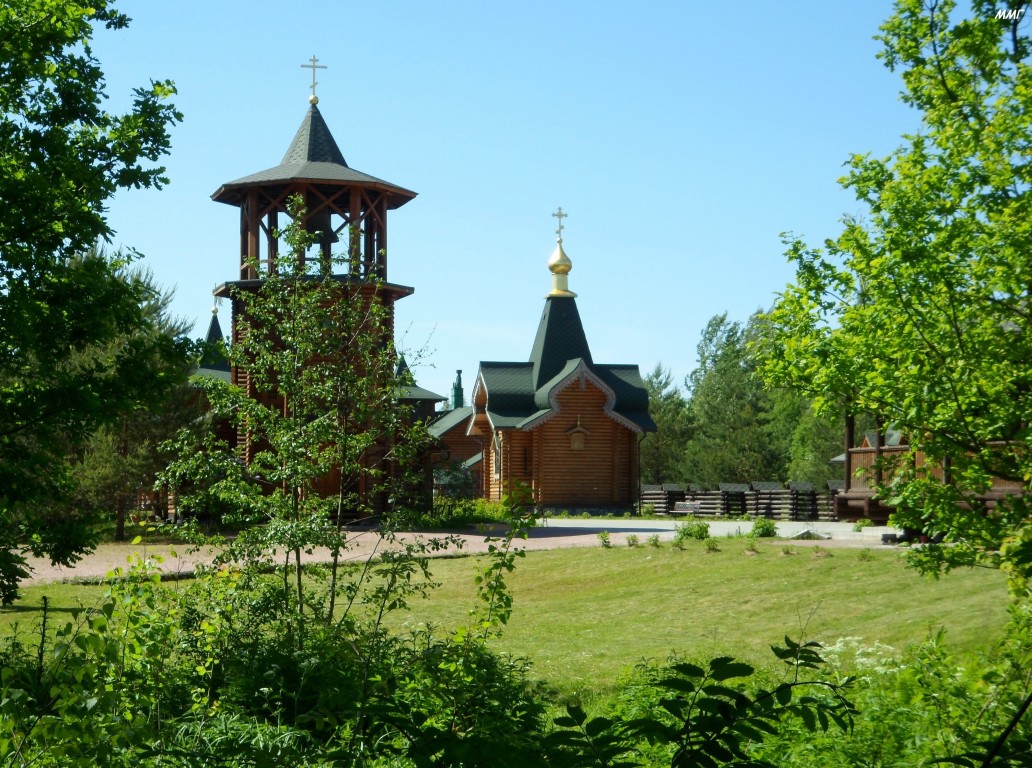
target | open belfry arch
[
  {"x": 561, "y": 424},
  {"x": 345, "y": 208}
]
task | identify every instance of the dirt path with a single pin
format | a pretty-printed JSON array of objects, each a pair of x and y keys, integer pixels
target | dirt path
[{"x": 180, "y": 559}]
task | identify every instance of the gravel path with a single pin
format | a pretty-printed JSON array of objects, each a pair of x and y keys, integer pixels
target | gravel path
[{"x": 553, "y": 534}]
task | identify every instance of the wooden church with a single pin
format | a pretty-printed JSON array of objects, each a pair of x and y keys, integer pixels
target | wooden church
[{"x": 566, "y": 427}]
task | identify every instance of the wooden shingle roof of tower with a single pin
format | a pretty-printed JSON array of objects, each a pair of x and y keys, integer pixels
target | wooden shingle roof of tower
[{"x": 312, "y": 156}]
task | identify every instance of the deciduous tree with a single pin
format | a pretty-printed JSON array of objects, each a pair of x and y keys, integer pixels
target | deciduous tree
[
  {"x": 62, "y": 157},
  {"x": 328, "y": 439},
  {"x": 919, "y": 311}
]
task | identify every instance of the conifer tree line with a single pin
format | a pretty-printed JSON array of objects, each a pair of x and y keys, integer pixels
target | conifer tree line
[{"x": 725, "y": 424}]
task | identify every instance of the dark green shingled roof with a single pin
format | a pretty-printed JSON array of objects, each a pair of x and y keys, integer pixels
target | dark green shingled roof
[
  {"x": 214, "y": 357},
  {"x": 313, "y": 156},
  {"x": 513, "y": 402},
  {"x": 518, "y": 393},
  {"x": 414, "y": 392},
  {"x": 450, "y": 420},
  {"x": 560, "y": 337}
]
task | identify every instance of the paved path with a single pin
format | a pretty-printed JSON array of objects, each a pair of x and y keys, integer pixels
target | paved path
[{"x": 552, "y": 533}]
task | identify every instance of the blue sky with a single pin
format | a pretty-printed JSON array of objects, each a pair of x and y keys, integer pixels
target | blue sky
[{"x": 681, "y": 137}]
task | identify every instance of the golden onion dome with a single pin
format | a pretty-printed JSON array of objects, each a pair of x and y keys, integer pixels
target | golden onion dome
[{"x": 559, "y": 263}]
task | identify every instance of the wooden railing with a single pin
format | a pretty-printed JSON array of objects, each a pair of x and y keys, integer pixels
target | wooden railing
[{"x": 861, "y": 471}]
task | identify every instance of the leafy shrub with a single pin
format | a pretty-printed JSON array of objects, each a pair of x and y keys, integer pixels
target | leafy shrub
[
  {"x": 448, "y": 512},
  {"x": 862, "y": 523},
  {"x": 693, "y": 529},
  {"x": 653, "y": 540},
  {"x": 632, "y": 540},
  {"x": 604, "y": 540},
  {"x": 712, "y": 545},
  {"x": 690, "y": 715},
  {"x": 764, "y": 528},
  {"x": 923, "y": 706}
]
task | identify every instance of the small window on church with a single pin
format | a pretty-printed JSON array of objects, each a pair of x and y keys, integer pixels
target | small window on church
[{"x": 497, "y": 457}]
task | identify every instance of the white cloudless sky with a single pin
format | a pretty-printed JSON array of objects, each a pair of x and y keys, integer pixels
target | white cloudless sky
[{"x": 682, "y": 138}]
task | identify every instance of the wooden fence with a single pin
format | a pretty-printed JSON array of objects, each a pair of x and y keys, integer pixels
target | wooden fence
[{"x": 792, "y": 501}]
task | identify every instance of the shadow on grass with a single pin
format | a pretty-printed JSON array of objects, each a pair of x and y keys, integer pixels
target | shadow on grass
[{"x": 37, "y": 609}]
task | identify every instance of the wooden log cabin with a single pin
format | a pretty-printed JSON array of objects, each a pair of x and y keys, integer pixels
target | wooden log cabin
[{"x": 566, "y": 427}]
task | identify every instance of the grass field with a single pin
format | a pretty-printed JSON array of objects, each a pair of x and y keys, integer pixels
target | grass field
[{"x": 584, "y": 615}]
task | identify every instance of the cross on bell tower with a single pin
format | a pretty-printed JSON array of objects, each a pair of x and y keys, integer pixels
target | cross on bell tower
[{"x": 313, "y": 65}]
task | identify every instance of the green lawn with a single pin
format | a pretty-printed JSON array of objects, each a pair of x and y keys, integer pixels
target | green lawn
[{"x": 584, "y": 615}]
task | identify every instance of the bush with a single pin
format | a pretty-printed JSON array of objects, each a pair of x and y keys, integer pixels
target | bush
[
  {"x": 764, "y": 528},
  {"x": 862, "y": 523},
  {"x": 632, "y": 540},
  {"x": 693, "y": 529},
  {"x": 653, "y": 540},
  {"x": 450, "y": 512}
]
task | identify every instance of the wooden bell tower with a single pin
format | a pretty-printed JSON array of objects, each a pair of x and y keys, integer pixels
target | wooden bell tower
[
  {"x": 342, "y": 203},
  {"x": 346, "y": 207}
]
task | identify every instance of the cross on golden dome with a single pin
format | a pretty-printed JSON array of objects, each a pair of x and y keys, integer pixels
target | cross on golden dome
[{"x": 560, "y": 215}]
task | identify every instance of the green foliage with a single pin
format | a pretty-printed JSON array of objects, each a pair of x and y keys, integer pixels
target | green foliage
[
  {"x": 690, "y": 715},
  {"x": 71, "y": 357},
  {"x": 662, "y": 452},
  {"x": 691, "y": 529},
  {"x": 923, "y": 707},
  {"x": 604, "y": 540},
  {"x": 764, "y": 527},
  {"x": 449, "y": 512},
  {"x": 743, "y": 430},
  {"x": 730, "y": 411},
  {"x": 154, "y": 677},
  {"x": 321, "y": 409},
  {"x": 918, "y": 311},
  {"x": 816, "y": 438},
  {"x": 653, "y": 540},
  {"x": 712, "y": 545},
  {"x": 632, "y": 540},
  {"x": 863, "y": 522}
]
